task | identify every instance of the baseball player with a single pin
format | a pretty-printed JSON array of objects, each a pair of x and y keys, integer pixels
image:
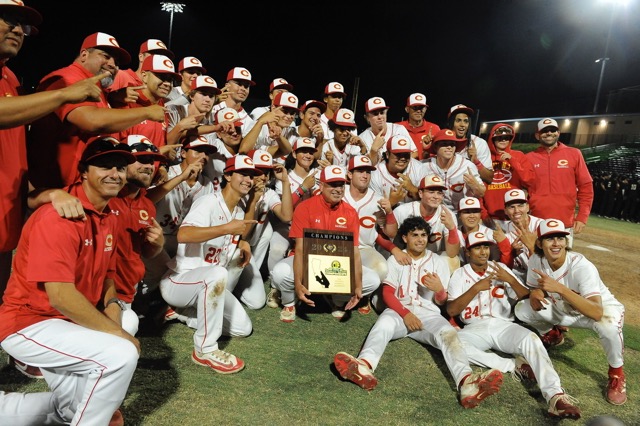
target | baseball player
[
  {"x": 139, "y": 234},
  {"x": 268, "y": 132},
  {"x": 189, "y": 69},
  {"x": 470, "y": 146},
  {"x": 226, "y": 141},
  {"x": 420, "y": 130},
  {"x": 414, "y": 294},
  {"x": 333, "y": 98},
  {"x": 345, "y": 144},
  {"x": 372, "y": 210},
  {"x": 397, "y": 176},
  {"x": 60, "y": 310},
  {"x": 302, "y": 185},
  {"x": 326, "y": 211},
  {"x": 459, "y": 174},
  {"x": 443, "y": 235},
  {"x": 235, "y": 92},
  {"x": 566, "y": 290},
  {"x": 520, "y": 230},
  {"x": 200, "y": 273},
  {"x": 481, "y": 294},
  {"x": 277, "y": 85},
  {"x": 469, "y": 211},
  {"x": 195, "y": 118},
  {"x": 379, "y": 132}
]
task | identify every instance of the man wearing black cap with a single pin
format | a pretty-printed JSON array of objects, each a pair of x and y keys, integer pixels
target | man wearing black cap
[
  {"x": 65, "y": 302},
  {"x": 56, "y": 141}
]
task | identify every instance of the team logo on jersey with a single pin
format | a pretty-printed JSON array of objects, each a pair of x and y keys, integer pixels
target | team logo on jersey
[
  {"x": 367, "y": 222},
  {"x": 144, "y": 215},
  {"x": 108, "y": 242},
  {"x": 563, "y": 164},
  {"x": 435, "y": 237},
  {"x": 341, "y": 222},
  {"x": 501, "y": 176},
  {"x": 458, "y": 187}
]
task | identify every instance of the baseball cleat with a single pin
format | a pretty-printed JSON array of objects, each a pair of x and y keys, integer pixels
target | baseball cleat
[
  {"x": 355, "y": 370},
  {"x": 28, "y": 370},
  {"x": 365, "y": 309},
  {"x": 617, "y": 389},
  {"x": 523, "y": 369},
  {"x": 552, "y": 338},
  {"x": 562, "y": 405},
  {"x": 478, "y": 386},
  {"x": 117, "y": 419},
  {"x": 288, "y": 314},
  {"x": 273, "y": 298},
  {"x": 219, "y": 361}
]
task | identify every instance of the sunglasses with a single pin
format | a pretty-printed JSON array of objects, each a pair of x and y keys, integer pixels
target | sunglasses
[
  {"x": 501, "y": 138},
  {"x": 13, "y": 21}
]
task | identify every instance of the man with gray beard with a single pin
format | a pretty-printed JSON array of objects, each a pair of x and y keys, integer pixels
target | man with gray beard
[{"x": 55, "y": 142}]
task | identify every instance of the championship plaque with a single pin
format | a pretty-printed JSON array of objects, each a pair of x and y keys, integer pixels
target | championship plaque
[{"x": 328, "y": 261}]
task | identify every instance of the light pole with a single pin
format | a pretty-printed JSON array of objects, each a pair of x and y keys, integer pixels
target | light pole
[
  {"x": 605, "y": 58},
  {"x": 172, "y": 8},
  {"x": 604, "y": 62}
]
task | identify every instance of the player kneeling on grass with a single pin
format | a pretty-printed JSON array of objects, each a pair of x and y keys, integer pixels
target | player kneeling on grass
[
  {"x": 481, "y": 293},
  {"x": 208, "y": 263},
  {"x": 566, "y": 290},
  {"x": 413, "y": 294}
]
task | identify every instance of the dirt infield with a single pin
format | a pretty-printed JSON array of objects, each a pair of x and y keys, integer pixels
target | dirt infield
[{"x": 619, "y": 268}]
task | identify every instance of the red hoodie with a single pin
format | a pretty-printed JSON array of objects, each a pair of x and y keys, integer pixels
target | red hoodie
[{"x": 508, "y": 173}]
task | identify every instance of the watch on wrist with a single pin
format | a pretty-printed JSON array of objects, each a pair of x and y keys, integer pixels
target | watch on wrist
[{"x": 116, "y": 300}]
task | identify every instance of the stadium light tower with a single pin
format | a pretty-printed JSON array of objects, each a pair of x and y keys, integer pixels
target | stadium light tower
[
  {"x": 603, "y": 60},
  {"x": 172, "y": 8}
]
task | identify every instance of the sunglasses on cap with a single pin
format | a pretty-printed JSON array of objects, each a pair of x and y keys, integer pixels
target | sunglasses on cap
[{"x": 143, "y": 147}]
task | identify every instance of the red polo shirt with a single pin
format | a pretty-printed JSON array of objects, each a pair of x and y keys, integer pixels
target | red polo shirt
[
  {"x": 316, "y": 213},
  {"x": 53, "y": 249},
  {"x": 134, "y": 216},
  {"x": 13, "y": 170},
  {"x": 156, "y": 132}
]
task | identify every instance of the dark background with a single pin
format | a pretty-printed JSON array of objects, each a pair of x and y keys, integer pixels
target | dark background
[{"x": 506, "y": 59}]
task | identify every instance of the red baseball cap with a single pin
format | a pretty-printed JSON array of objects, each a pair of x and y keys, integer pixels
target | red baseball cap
[
  {"x": 361, "y": 162},
  {"x": 460, "y": 108},
  {"x": 333, "y": 88},
  {"x": 199, "y": 142},
  {"x": 156, "y": 47},
  {"x": 106, "y": 145},
  {"x": 160, "y": 64},
  {"x": 398, "y": 144},
  {"x": 261, "y": 159},
  {"x": 333, "y": 173},
  {"x": 478, "y": 238},
  {"x": 191, "y": 62},
  {"x": 417, "y": 99},
  {"x": 109, "y": 44},
  {"x": 205, "y": 82},
  {"x": 241, "y": 163},
  {"x": 228, "y": 114},
  {"x": 551, "y": 227},
  {"x": 432, "y": 182},
  {"x": 286, "y": 100},
  {"x": 344, "y": 118},
  {"x": 30, "y": 16},
  {"x": 313, "y": 103},
  {"x": 280, "y": 83},
  {"x": 374, "y": 104},
  {"x": 242, "y": 74}
]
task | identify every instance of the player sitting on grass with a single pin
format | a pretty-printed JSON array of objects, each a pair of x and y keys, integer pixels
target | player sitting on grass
[
  {"x": 481, "y": 293},
  {"x": 414, "y": 294},
  {"x": 566, "y": 290}
]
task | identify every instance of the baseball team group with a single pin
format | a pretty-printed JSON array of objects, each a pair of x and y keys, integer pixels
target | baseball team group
[{"x": 125, "y": 187}]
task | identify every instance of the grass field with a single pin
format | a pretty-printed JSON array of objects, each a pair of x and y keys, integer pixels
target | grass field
[{"x": 289, "y": 379}]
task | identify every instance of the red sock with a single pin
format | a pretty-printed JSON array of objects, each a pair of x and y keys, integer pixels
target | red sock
[{"x": 616, "y": 371}]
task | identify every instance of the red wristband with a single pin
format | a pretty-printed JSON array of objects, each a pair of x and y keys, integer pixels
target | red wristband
[
  {"x": 453, "y": 237},
  {"x": 391, "y": 219}
]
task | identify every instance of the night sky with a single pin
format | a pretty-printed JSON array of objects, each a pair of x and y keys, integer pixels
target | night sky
[{"x": 507, "y": 59}]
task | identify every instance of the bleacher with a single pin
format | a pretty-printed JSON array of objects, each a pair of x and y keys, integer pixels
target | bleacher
[{"x": 614, "y": 158}]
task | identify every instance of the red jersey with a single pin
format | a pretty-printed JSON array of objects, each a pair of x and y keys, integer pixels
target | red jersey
[
  {"x": 134, "y": 216},
  {"x": 54, "y": 145},
  {"x": 53, "y": 249},
  {"x": 316, "y": 213},
  {"x": 13, "y": 170},
  {"x": 562, "y": 179},
  {"x": 418, "y": 132},
  {"x": 156, "y": 132}
]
